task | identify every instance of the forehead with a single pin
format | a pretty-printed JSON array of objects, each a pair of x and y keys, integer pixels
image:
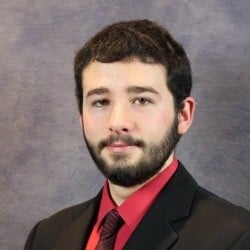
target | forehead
[{"x": 122, "y": 74}]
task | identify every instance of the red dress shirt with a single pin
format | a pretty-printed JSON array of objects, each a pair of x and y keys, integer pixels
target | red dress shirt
[{"x": 132, "y": 209}]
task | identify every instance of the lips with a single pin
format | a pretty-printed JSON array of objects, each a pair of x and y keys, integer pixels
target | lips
[
  {"x": 119, "y": 147},
  {"x": 120, "y": 143}
]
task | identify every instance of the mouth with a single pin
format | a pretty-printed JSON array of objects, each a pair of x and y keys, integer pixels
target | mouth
[
  {"x": 120, "y": 144},
  {"x": 119, "y": 147}
]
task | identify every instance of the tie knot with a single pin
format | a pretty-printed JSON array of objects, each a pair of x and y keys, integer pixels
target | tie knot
[{"x": 112, "y": 223}]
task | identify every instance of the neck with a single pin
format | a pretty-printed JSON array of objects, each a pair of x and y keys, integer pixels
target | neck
[{"x": 119, "y": 193}]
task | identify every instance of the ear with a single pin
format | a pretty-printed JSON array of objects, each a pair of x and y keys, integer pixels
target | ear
[{"x": 186, "y": 115}]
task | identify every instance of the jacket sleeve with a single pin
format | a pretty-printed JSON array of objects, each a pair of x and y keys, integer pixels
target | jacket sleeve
[{"x": 31, "y": 237}]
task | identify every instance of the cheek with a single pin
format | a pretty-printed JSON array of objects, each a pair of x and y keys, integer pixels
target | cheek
[
  {"x": 158, "y": 125},
  {"x": 92, "y": 127},
  {"x": 152, "y": 128}
]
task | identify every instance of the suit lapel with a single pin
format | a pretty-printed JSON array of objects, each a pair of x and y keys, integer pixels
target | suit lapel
[
  {"x": 76, "y": 234},
  {"x": 156, "y": 230},
  {"x": 152, "y": 233}
]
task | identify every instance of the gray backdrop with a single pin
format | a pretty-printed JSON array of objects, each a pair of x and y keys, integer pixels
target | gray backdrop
[{"x": 44, "y": 163}]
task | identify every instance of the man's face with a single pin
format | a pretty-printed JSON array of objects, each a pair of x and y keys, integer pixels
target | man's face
[{"x": 129, "y": 121}]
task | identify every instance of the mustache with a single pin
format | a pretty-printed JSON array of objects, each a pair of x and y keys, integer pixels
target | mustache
[{"x": 121, "y": 138}]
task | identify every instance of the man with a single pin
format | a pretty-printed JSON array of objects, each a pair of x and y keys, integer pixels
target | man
[{"x": 133, "y": 84}]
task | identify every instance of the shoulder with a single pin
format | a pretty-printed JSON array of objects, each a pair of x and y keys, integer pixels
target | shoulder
[
  {"x": 47, "y": 230},
  {"x": 68, "y": 214},
  {"x": 206, "y": 202},
  {"x": 219, "y": 208},
  {"x": 214, "y": 222},
  {"x": 219, "y": 221}
]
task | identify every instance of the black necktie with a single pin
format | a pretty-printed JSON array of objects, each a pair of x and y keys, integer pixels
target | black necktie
[{"x": 111, "y": 225}]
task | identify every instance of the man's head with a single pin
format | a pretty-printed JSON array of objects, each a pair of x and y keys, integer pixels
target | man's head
[{"x": 133, "y": 86}]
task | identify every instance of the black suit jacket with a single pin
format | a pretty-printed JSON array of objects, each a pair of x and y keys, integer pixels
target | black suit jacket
[{"x": 184, "y": 216}]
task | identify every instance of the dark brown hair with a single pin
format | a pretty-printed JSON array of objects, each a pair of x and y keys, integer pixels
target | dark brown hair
[{"x": 139, "y": 39}]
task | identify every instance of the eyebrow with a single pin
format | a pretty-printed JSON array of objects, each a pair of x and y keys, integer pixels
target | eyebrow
[
  {"x": 97, "y": 91},
  {"x": 139, "y": 89}
]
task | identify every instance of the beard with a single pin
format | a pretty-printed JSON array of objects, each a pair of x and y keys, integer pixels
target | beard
[{"x": 120, "y": 171}]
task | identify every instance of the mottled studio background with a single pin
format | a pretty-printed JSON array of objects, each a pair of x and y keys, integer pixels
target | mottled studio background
[{"x": 44, "y": 165}]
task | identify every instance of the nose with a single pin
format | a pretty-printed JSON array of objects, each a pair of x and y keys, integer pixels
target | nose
[{"x": 120, "y": 120}]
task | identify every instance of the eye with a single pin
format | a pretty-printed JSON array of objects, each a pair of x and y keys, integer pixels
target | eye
[
  {"x": 100, "y": 103},
  {"x": 142, "y": 101}
]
